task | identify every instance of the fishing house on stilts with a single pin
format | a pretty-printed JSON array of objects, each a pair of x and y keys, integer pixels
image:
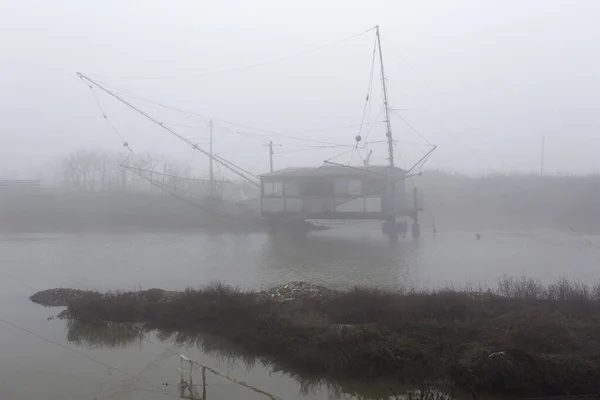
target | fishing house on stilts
[
  {"x": 342, "y": 192},
  {"x": 333, "y": 192}
]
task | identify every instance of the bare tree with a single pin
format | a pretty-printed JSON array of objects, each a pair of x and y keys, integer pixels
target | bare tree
[{"x": 88, "y": 170}]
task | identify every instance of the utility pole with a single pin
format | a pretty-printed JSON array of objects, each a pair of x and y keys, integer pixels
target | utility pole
[
  {"x": 212, "y": 175},
  {"x": 270, "y": 145},
  {"x": 271, "y": 155},
  {"x": 543, "y": 151}
]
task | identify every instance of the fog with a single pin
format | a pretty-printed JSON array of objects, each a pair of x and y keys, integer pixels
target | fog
[
  {"x": 485, "y": 81},
  {"x": 477, "y": 266}
]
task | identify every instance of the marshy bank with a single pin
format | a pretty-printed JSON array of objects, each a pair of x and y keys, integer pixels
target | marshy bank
[{"x": 521, "y": 338}]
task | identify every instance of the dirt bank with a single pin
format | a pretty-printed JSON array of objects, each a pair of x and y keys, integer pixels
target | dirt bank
[{"x": 519, "y": 339}]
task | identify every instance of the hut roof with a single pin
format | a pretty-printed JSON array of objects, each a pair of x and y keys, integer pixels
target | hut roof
[{"x": 331, "y": 171}]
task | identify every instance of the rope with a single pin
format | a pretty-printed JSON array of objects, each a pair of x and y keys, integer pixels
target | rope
[
  {"x": 259, "y": 64},
  {"x": 193, "y": 145},
  {"x": 112, "y": 126},
  {"x": 412, "y": 127},
  {"x": 369, "y": 90},
  {"x": 173, "y": 176},
  {"x": 138, "y": 172},
  {"x": 182, "y": 198},
  {"x": 373, "y": 124},
  {"x": 340, "y": 155},
  {"x": 102, "y": 363},
  {"x": 351, "y": 157},
  {"x": 224, "y": 161},
  {"x": 197, "y": 116}
]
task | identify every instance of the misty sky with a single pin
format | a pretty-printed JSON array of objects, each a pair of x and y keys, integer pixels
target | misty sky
[{"x": 484, "y": 80}]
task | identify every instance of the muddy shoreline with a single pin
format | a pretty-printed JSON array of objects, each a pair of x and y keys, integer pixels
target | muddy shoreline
[{"x": 519, "y": 339}]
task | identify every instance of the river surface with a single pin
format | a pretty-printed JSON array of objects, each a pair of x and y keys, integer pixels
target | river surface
[{"x": 43, "y": 359}]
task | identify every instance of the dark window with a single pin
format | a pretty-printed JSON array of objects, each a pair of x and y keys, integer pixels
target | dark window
[
  {"x": 316, "y": 188},
  {"x": 373, "y": 186},
  {"x": 272, "y": 189}
]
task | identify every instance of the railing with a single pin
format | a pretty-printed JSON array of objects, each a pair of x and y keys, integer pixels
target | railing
[{"x": 189, "y": 390}]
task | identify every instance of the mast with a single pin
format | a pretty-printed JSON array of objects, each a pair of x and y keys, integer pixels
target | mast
[
  {"x": 212, "y": 175},
  {"x": 388, "y": 124}
]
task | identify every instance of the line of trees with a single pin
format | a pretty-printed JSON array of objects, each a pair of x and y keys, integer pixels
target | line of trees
[
  {"x": 95, "y": 171},
  {"x": 508, "y": 201}
]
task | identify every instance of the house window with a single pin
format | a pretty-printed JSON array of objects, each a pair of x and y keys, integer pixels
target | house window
[
  {"x": 317, "y": 188},
  {"x": 354, "y": 187},
  {"x": 291, "y": 190},
  {"x": 271, "y": 189},
  {"x": 345, "y": 187},
  {"x": 374, "y": 186},
  {"x": 340, "y": 187}
]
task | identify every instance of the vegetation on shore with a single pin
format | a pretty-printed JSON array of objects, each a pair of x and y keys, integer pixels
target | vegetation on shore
[{"x": 521, "y": 338}]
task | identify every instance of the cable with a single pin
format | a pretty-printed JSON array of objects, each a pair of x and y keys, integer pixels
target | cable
[
  {"x": 193, "y": 145},
  {"x": 88, "y": 357},
  {"x": 181, "y": 198},
  {"x": 422, "y": 161},
  {"x": 369, "y": 89},
  {"x": 340, "y": 155},
  {"x": 373, "y": 124},
  {"x": 412, "y": 127},
  {"x": 123, "y": 141},
  {"x": 283, "y": 136},
  {"x": 196, "y": 115},
  {"x": 174, "y": 176},
  {"x": 138, "y": 171},
  {"x": 224, "y": 161},
  {"x": 405, "y": 61},
  {"x": 259, "y": 64},
  {"x": 326, "y": 129},
  {"x": 351, "y": 157},
  {"x": 293, "y": 151}
]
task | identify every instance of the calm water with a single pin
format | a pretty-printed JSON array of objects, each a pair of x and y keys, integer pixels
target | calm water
[{"x": 33, "y": 367}]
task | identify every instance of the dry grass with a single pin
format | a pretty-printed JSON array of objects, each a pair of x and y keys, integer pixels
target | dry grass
[{"x": 544, "y": 338}]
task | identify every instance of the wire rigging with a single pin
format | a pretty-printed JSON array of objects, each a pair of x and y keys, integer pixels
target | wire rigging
[
  {"x": 190, "y": 143},
  {"x": 259, "y": 64},
  {"x": 412, "y": 127},
  {"x": 112, "y": 126},
  {"x": 269, "y": 133},
  {"x": 140, "y": 173},
  {"x": 375, "y": 121},
  {"x": 177, "y": 196},
  {"x": 195, "y": 115},
  {"x": 341, "y": 154},
  {"x": 369, "y": 92},
  {"x": 102, "y": 363}
]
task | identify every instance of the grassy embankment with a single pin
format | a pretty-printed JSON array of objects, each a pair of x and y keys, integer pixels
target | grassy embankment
[{"x": 521, "y": 338}]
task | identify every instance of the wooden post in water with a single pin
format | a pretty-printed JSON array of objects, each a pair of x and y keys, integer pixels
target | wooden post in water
[{"x": 203, "y": 383}]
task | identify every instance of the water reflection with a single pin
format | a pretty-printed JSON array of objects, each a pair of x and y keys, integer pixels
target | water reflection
[
  {"x": 339, "y": 262},
  {"x": 106, "y": 334},
  {"x": 173, "y": 261}
]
